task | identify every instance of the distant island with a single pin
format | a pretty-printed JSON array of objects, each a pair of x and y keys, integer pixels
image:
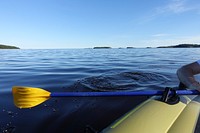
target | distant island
[
  {"x": 101, "y": 47},
  {"x": 111, "y": 47},
  {"x": 8, "y": 47},
  {"x": 129, "y": 47},
  {"x": 182, "y": 46}
]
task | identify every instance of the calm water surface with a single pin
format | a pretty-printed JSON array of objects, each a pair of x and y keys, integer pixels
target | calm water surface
[{"x": 83, "y": 70}]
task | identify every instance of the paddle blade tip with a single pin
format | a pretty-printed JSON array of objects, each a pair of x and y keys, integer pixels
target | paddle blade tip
[{"x": 27, "y": 97}]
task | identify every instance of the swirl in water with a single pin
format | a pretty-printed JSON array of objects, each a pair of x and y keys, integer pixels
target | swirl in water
[{"x": 126, "y": 81}]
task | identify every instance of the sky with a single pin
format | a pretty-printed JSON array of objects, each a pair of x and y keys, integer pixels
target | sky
[{"x": 50, "y": 24}]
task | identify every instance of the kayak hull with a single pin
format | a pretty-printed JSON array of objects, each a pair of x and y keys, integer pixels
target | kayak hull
[{"x": 154, "y": 116}]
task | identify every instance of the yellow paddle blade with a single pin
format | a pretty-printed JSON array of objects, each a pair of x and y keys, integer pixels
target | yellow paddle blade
[{"x": 27, "y": 97}]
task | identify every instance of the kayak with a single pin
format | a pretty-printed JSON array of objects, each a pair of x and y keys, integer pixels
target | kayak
[{"x": 156, "y": 116}]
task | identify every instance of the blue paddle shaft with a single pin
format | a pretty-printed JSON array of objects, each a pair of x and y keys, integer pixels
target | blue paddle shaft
[{"x": 130, "y": 93}]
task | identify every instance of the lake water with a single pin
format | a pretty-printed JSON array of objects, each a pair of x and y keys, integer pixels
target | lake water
[{"x": 62, "y": 70}]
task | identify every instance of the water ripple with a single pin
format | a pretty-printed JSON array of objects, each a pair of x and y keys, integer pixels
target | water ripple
[{"x": 126, "y": 81}]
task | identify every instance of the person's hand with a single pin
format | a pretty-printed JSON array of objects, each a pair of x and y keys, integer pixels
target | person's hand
[{"x": 195, "y": 86}]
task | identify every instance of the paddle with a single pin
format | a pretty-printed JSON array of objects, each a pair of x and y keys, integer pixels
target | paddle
[{"x": 27, "y": 97}]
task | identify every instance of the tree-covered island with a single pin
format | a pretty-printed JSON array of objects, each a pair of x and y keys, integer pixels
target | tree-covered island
[
  {"x": 102, "y": 48},
  {"x": 8, "y": 47},
  {"x": 182, "y": 46}
]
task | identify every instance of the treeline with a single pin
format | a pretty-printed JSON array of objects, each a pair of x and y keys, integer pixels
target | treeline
[
  {"x": 182, "y": 46},
  {"x": 8, "y": 47}
]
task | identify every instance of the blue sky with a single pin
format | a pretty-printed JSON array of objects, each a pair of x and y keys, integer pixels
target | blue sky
[{"x": 38, "y": 24}]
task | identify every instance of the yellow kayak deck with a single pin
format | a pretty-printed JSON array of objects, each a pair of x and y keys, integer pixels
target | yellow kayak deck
[{"x": 154, "y": 116}]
